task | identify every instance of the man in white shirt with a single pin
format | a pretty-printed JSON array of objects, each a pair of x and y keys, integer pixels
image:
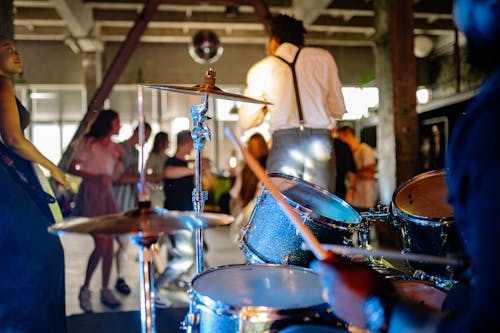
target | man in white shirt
[{"x": 301, "y": 143}]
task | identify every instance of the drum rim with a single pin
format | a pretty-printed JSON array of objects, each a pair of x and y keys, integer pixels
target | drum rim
[
  {"x": 235, "y": 311},
  {"x": 315, "y": 217},
  {"x": 419, "y": 219}
]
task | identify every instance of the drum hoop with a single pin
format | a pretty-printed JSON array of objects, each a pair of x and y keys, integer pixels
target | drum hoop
[
  {"x": 419, "y": 219},
  {"x": 251, "y": 253},
  {"x": 310, "y": 214},
  {"x": 221, "y": 308}
]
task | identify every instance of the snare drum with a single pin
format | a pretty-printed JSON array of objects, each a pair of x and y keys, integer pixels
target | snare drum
[
  {"x": 258, "y": 298},
  {"x": 270, "y": 236},
  {"x": 426, "y": 220}
]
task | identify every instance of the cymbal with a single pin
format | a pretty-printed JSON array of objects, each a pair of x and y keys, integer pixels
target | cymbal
[
  {"x": 144, "y": 222},
  {"x": 202, "y": 89}
]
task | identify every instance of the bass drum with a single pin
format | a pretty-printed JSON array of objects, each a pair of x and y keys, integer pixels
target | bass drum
[
  {"x": 269, "y": 236},
  {"x": 426, "y": 220},
  {"x": 258, "y": 298}
]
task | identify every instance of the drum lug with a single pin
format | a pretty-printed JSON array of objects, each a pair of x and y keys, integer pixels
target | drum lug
[
  {"x": 191, "y": 322},
  {"x": 346, "y": 241}
]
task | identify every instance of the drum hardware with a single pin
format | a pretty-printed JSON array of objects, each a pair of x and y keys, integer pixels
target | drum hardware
[
  {"x": 376, "y": 214},
  {"x": 444, "y": 284}
]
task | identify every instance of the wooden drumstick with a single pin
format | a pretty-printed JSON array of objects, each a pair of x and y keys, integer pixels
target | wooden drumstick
[
  {"x": 308, "y": 237},
  {"x": 390, "y": 254}
]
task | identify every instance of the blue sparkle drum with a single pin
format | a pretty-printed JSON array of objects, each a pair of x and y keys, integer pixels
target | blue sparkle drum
[
  {"x": 269, "y": 236},
  {"x": 426, "y": 220},
  {"x": 258, "y": 298}
]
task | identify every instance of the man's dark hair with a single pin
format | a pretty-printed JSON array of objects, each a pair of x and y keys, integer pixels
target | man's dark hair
[
  {"x": 287, "y": 29},
  {"x": 345, "y": 129}
]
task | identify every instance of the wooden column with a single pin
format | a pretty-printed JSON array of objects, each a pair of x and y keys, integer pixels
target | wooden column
[
  {"x": 7, "y": 18},
  {"x": 395, "y": 65},
  {"x": 403, "y": 65}
]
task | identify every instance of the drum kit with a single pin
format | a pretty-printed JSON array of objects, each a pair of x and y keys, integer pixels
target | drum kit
[{"x": 276, "y": 289}]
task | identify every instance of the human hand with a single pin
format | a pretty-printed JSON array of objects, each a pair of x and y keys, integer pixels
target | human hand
[
  {"x": 59, "y": 176},
  {"x": 347, "y": 285},
  {"x": 154, "y": 178},
  {"x": 349, "y": 196}
]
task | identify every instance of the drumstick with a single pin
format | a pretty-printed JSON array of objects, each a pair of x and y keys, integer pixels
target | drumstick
[
  {"x": 389, "y": 254},
  {"x": 308, "y": 237}
]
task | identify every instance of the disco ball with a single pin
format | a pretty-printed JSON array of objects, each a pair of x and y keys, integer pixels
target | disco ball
[{"x": 205, "y": 47}]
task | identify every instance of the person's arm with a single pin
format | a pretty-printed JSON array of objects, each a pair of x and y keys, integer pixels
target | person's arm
[
  {"x": 367, "y": 172},
  {"x": 172, "y": 171},
  {"x": 351, "y": 190},
  {"x": 251, "y": 114},
  {"x": 75, "y": 169},
  {"x": 12, "y": 136},
  {"x": 369, "y": 163}
]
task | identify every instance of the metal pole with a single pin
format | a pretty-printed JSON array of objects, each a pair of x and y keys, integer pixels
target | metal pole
[
  {"x": 147, "y": 291},
  {"x": 199, "y": 134}
]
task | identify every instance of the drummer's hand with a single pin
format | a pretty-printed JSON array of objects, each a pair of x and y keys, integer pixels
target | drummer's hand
[{"x": 347, "y": 285}]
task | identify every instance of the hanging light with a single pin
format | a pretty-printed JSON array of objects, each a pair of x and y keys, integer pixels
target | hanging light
[
  {"x": 423, "y": 46},
  {"x": 205, "y": 47}
]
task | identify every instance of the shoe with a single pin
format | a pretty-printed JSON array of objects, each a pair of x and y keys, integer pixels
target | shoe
[
  {"x": 108, "y": 299},
  {"x": 161, "y": 301},
  {"x": 85, "y": 299},
  {"x": 122, "y": 287}
]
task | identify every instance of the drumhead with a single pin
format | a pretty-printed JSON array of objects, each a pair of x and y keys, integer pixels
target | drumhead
[
  {"x": 422, "y": 292},
  {"x": 315, "y": 201},
  {"x": 274, "y": 286},
  {"x": 423, "y": 197}
]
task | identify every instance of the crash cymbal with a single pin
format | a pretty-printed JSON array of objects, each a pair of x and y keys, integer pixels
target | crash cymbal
[
  {"x": 202, "y": 89},
  {"x": 145, "y": 222},
  {"x": 206, "y": 87}
]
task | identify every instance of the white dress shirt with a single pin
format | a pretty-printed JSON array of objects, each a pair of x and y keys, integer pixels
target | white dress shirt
[{"x": 271, "y": 80}]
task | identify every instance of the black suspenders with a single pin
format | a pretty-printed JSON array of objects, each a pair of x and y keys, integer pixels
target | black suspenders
[{"x": 296, "y": 86}]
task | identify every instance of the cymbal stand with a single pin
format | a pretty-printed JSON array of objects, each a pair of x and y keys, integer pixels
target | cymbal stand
[
  {"x": 146, "y": 278},
  {"x": 200, "y": 135},
  {"x": 147, "y": 291}
]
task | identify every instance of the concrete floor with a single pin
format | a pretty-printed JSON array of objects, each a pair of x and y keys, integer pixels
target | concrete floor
[{"x": 77, "y": 248}]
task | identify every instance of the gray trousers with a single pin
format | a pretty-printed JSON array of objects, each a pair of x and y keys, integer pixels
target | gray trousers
[{"x": 307, "y": 154}]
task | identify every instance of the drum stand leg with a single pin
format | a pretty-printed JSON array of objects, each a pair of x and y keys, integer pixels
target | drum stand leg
[{"x": 147, "y": 291}]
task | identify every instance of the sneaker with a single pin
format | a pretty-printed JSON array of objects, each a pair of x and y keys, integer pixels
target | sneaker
[
  {"x": 122, "y": 287},
  {"x": 161, "y": 301},
  {"x": 108, "y": 299},
  {"x": 85, "y": 299}
]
